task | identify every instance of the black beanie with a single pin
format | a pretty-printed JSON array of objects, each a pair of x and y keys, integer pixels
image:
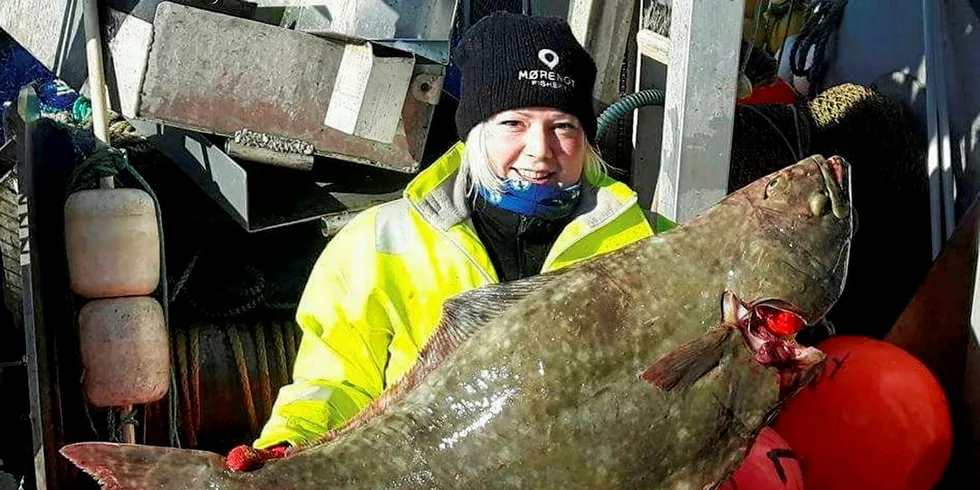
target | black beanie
[{"x": 508, "y": 61}]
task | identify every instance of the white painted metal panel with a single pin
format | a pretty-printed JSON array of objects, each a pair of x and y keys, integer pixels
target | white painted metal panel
[{"x": 700, "y": 107}]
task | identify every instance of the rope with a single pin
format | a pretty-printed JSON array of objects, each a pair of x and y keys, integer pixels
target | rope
[
  {"x": 115, "y": 429},
  {"x": 103, "y": 162},
  {"x": 184, "y": 368},
  {"x": 196, "y": 376},
  {"x": 265, "y": 378},
  {"x": 201, "y": 292},
  {"x": 290, "y": 343},
  {"x": 189, "y": 356},
  {"x": 187, "y": 274},
  {"x": 228, "y": 289},
  {"x": 122, "y": 134},
  {"x": 239, "y": 351},
  {"x": 91, "y": 422},
  {"x": 269, "y": 346},
  {"x": 116, "y": 420},
  {"x": 822, "y": 19},
  {"x": 280, "y": 353}
]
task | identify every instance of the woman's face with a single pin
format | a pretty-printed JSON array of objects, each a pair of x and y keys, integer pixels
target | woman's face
[{"x": 539, "y": 145}]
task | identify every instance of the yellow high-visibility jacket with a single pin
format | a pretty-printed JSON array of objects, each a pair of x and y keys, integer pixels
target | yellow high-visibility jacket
[{"x": 375, "y": 294}]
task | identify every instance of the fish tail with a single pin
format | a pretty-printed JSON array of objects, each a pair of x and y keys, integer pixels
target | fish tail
[
  {"x": 134, "y": 466},
  {"x": 683, "y": 366}
]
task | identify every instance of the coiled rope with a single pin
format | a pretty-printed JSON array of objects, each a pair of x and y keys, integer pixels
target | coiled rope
[
  {"x": 821, "y": 21},
  {"x": 268, "y": 376}
]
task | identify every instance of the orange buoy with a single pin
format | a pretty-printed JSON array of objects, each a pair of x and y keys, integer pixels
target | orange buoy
[
  {"x": 770, "y": 465},
  {"x": 876, "y": 419},
  {"x": 125, "y": 351},
  {"x": 112, "y": 242}
]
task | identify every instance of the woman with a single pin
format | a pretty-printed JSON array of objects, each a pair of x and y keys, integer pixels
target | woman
[{"x": 525, "y": 194}]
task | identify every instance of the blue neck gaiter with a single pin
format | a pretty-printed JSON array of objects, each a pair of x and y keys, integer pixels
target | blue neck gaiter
[{"x": 542, "y": 201}]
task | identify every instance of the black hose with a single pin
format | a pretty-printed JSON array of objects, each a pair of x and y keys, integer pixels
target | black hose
[{"x": 626, "y": 105}]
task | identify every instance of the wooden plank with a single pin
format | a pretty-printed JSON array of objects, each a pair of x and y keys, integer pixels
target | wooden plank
[
  {"x": 935, "y": 324},
  {"x": 936, "y": 327},
  {"x": 653, "y": 45},
  {"x": 968, "y": 447}
]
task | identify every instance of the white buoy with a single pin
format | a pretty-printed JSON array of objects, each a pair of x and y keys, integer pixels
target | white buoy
[
  {"x": 125, "y": 351},
  {"x": 112, "y": 242}
]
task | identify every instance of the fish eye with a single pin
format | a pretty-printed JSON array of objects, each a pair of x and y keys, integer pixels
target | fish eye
[{"x": 773, "y": 184}]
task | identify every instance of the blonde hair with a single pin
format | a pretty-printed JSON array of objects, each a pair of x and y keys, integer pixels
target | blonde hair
[{"x": 478, "y": 165}]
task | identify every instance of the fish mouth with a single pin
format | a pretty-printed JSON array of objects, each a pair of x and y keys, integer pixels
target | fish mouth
[
  {"x": 836, "y": 176},
  {"x": 769, "y": 329}
]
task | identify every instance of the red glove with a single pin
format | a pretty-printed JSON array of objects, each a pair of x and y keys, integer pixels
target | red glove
[{"x": 247, "y": 458}]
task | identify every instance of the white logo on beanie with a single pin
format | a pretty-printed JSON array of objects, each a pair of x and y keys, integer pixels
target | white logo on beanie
[
  {"x": 549, "y": 58},
  {"x": 547, "y": 78}
]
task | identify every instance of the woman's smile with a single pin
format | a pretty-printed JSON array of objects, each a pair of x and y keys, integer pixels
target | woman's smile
[{"x": 539, "y": 177}]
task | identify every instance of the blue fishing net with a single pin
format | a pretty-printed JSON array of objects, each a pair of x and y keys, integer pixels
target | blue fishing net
[{"x": 19, "y": 68}]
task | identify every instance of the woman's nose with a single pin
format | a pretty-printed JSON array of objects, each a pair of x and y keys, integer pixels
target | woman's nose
[{"x": 537, "y": 143}]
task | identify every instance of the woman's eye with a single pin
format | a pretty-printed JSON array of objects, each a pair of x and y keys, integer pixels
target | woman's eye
[
  {"x": 510, "y": 123},
  {"x": 565, "y": 126}
]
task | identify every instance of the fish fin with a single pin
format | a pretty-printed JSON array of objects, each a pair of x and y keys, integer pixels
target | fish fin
[
  {"x": 135, "y": 466},
  {"x": 462, "y": 315},
  {"x": 683, "y": 366},
  {"x": 465, "y": 313}
]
